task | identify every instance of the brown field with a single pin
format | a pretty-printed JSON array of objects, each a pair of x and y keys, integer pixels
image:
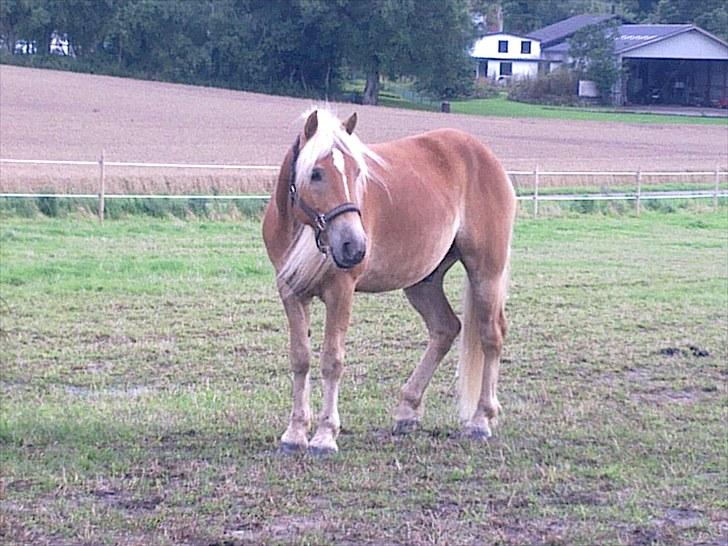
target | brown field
[{"x": 47, "y": 114}]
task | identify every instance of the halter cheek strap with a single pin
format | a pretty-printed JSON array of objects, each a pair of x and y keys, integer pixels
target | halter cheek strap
[{"x": 321, "y": 221}]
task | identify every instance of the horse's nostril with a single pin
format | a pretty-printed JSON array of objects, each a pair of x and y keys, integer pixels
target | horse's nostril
[{"x": 352, "y": 252}]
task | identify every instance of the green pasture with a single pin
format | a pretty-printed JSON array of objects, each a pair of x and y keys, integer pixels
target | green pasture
[
  {"x": 144, "y": 387},
  {"x": 403, "y": 95},
  {"x": 502, "y": 107}
]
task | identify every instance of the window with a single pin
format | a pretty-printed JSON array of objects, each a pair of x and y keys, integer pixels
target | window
[
  {"x": 506, "y": 69},
  {"x": 502, "y": 46},
  {"x": 526, "y": 46}
]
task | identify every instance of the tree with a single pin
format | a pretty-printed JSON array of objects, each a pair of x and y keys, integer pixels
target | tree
[
  {"x": 285, "y": 46},
  {"x": 442, "y": 37},
  {"x": 592, "y": 49},
  {"x": 427, "y": 39},
  {"x": 711, "y": 15},
  {"x": 159, "y": 39}
]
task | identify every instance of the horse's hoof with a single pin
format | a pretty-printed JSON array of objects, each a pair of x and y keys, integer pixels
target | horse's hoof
[
  {"x": 405, "y": 426},
  {"x": 477, "y": 434},
  {"x": 322, "y": 452},
  {"x": 288, "y": 448}
]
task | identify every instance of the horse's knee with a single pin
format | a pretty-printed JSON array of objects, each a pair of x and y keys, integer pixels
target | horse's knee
[
  {"x": 502, "y": 323},
  {"x": 332, "y": 365},
  {"x": 492, "y": 337},
  {"x": 300, "y": 360}
]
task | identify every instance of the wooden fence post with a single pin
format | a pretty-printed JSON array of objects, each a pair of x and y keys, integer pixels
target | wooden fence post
[
  {"x": 717, "y": 187},
  {"x": 535, "y": 191},
  {"x": 102, "y": 186},
  {"x": 639, "y": 190}
]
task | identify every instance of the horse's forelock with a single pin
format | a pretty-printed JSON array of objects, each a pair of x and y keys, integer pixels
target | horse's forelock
[{"x": 330, "y": 135}]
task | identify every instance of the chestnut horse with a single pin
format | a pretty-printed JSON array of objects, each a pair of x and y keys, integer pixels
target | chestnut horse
[{"x": 345, "y": 217}]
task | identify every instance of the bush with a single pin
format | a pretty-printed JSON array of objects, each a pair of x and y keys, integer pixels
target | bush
[
  {"x": 48, "y": 206},
  {"x": 486, "y": 89},
  {"x": 558, "y": 88}
]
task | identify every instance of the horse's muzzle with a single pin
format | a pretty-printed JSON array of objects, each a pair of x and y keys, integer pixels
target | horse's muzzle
[
  {"x": 351, "y": 255},
  {"x": 347, "y": 246}
]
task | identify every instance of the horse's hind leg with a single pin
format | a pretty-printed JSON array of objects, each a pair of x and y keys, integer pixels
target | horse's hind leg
[
  {"x": 443, "y": 326},
  {"x": 485, "y": 329}
]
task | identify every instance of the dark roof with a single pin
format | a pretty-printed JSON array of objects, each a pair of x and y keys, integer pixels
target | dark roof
[
  {"x": 563, "y": 29},
  {"x": 561, "y": 47}
]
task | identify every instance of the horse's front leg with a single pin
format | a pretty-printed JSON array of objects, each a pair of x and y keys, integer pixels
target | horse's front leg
[
  {"x": 338, "y": 300},
  {"x": 297, "y": 311}
]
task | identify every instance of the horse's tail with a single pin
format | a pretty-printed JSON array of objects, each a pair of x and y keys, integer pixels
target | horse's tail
[{"x": 472, "y": 357}]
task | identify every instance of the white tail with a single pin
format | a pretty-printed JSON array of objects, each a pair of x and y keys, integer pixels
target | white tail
[
  {"x": 472, "y": 358},
  {"x": 472, "y": 374}
]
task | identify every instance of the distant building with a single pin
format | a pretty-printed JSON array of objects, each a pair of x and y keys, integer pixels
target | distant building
[
  {"x": 500, "y": 56},
  {"x": 663, "y": 64},
  {"x": 671, "y": 64},
  {"x": 59, "y": 45}
]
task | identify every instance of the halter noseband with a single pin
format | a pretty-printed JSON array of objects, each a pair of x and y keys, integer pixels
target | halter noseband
[{"x": 320, "y": 221}]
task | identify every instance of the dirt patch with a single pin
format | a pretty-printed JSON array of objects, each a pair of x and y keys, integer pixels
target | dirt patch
[
  {"x": 671, "y": 396},
  {"x": 690, "y": 350},
  {"x": 125, "y": 501},
  {"x": 281, "y": 529}
]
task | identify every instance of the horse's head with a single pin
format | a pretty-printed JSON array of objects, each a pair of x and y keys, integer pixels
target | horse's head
[{"x": 326, "y": 188}]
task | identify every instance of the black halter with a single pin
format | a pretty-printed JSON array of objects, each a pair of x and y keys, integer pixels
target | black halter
[{"x": 320, "y": 221}]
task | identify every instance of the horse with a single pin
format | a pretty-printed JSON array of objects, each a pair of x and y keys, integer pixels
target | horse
[{"x": 346, "y": 217}]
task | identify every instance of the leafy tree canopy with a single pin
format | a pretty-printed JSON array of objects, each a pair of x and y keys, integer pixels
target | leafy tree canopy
[{"x": 285, "y": 46}]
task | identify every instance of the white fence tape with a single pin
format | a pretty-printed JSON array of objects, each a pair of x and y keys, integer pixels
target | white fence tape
[{"x": 535, "y": 197}]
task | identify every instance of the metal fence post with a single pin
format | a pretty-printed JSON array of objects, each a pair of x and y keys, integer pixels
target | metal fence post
[
  {"x": 102, "y": 185},
  {"x": 639, "y": 190},
  {"x": 535, "y": 191}
]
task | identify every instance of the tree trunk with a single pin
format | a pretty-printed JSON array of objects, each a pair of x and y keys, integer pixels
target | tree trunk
[{"x": 371, "y": 89}]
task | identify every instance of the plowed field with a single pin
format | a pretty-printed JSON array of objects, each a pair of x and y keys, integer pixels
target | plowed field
[{"x": 47, "y": 114}]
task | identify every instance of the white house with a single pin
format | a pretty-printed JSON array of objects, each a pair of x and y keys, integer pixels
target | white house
[{"x": 501, "y": 55}]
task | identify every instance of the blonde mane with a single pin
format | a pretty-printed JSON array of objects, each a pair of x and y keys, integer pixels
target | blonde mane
[{"x": 331, "y": 135}]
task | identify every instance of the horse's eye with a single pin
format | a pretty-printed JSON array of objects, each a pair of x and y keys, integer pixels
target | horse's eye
[{"x": 316, "y": 175}]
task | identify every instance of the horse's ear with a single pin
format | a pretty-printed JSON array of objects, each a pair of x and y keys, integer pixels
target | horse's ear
[
  {"x": 311, "y": 125},
  {"x": 350, "y": 123}
]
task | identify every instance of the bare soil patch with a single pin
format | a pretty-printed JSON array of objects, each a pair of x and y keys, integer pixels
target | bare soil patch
[{"x": 46, "y": 114}]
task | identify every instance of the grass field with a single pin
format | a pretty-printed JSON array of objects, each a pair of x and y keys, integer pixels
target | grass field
[
  {"x": 144, "y": 387},
  {"x": 503, "y": 107}
]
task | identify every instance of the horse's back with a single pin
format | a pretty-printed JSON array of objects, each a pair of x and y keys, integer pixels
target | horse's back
[{"x": 434, "y": 188}]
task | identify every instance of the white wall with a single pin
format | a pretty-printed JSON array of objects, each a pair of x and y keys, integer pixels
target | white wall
[
  {"x": 487, "y": 47},
  {"x": 522, "y": 64}
]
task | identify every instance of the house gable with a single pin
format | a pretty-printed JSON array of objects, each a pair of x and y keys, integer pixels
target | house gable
[
  {"x": 688, "y": 43},
  {"x": 487, "y": 47}
]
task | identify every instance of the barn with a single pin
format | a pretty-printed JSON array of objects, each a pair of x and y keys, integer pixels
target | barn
[{"x": 671, "y": 64}]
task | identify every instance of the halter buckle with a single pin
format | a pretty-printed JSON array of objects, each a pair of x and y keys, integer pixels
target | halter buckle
[{"x": 321, "y": 222}]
